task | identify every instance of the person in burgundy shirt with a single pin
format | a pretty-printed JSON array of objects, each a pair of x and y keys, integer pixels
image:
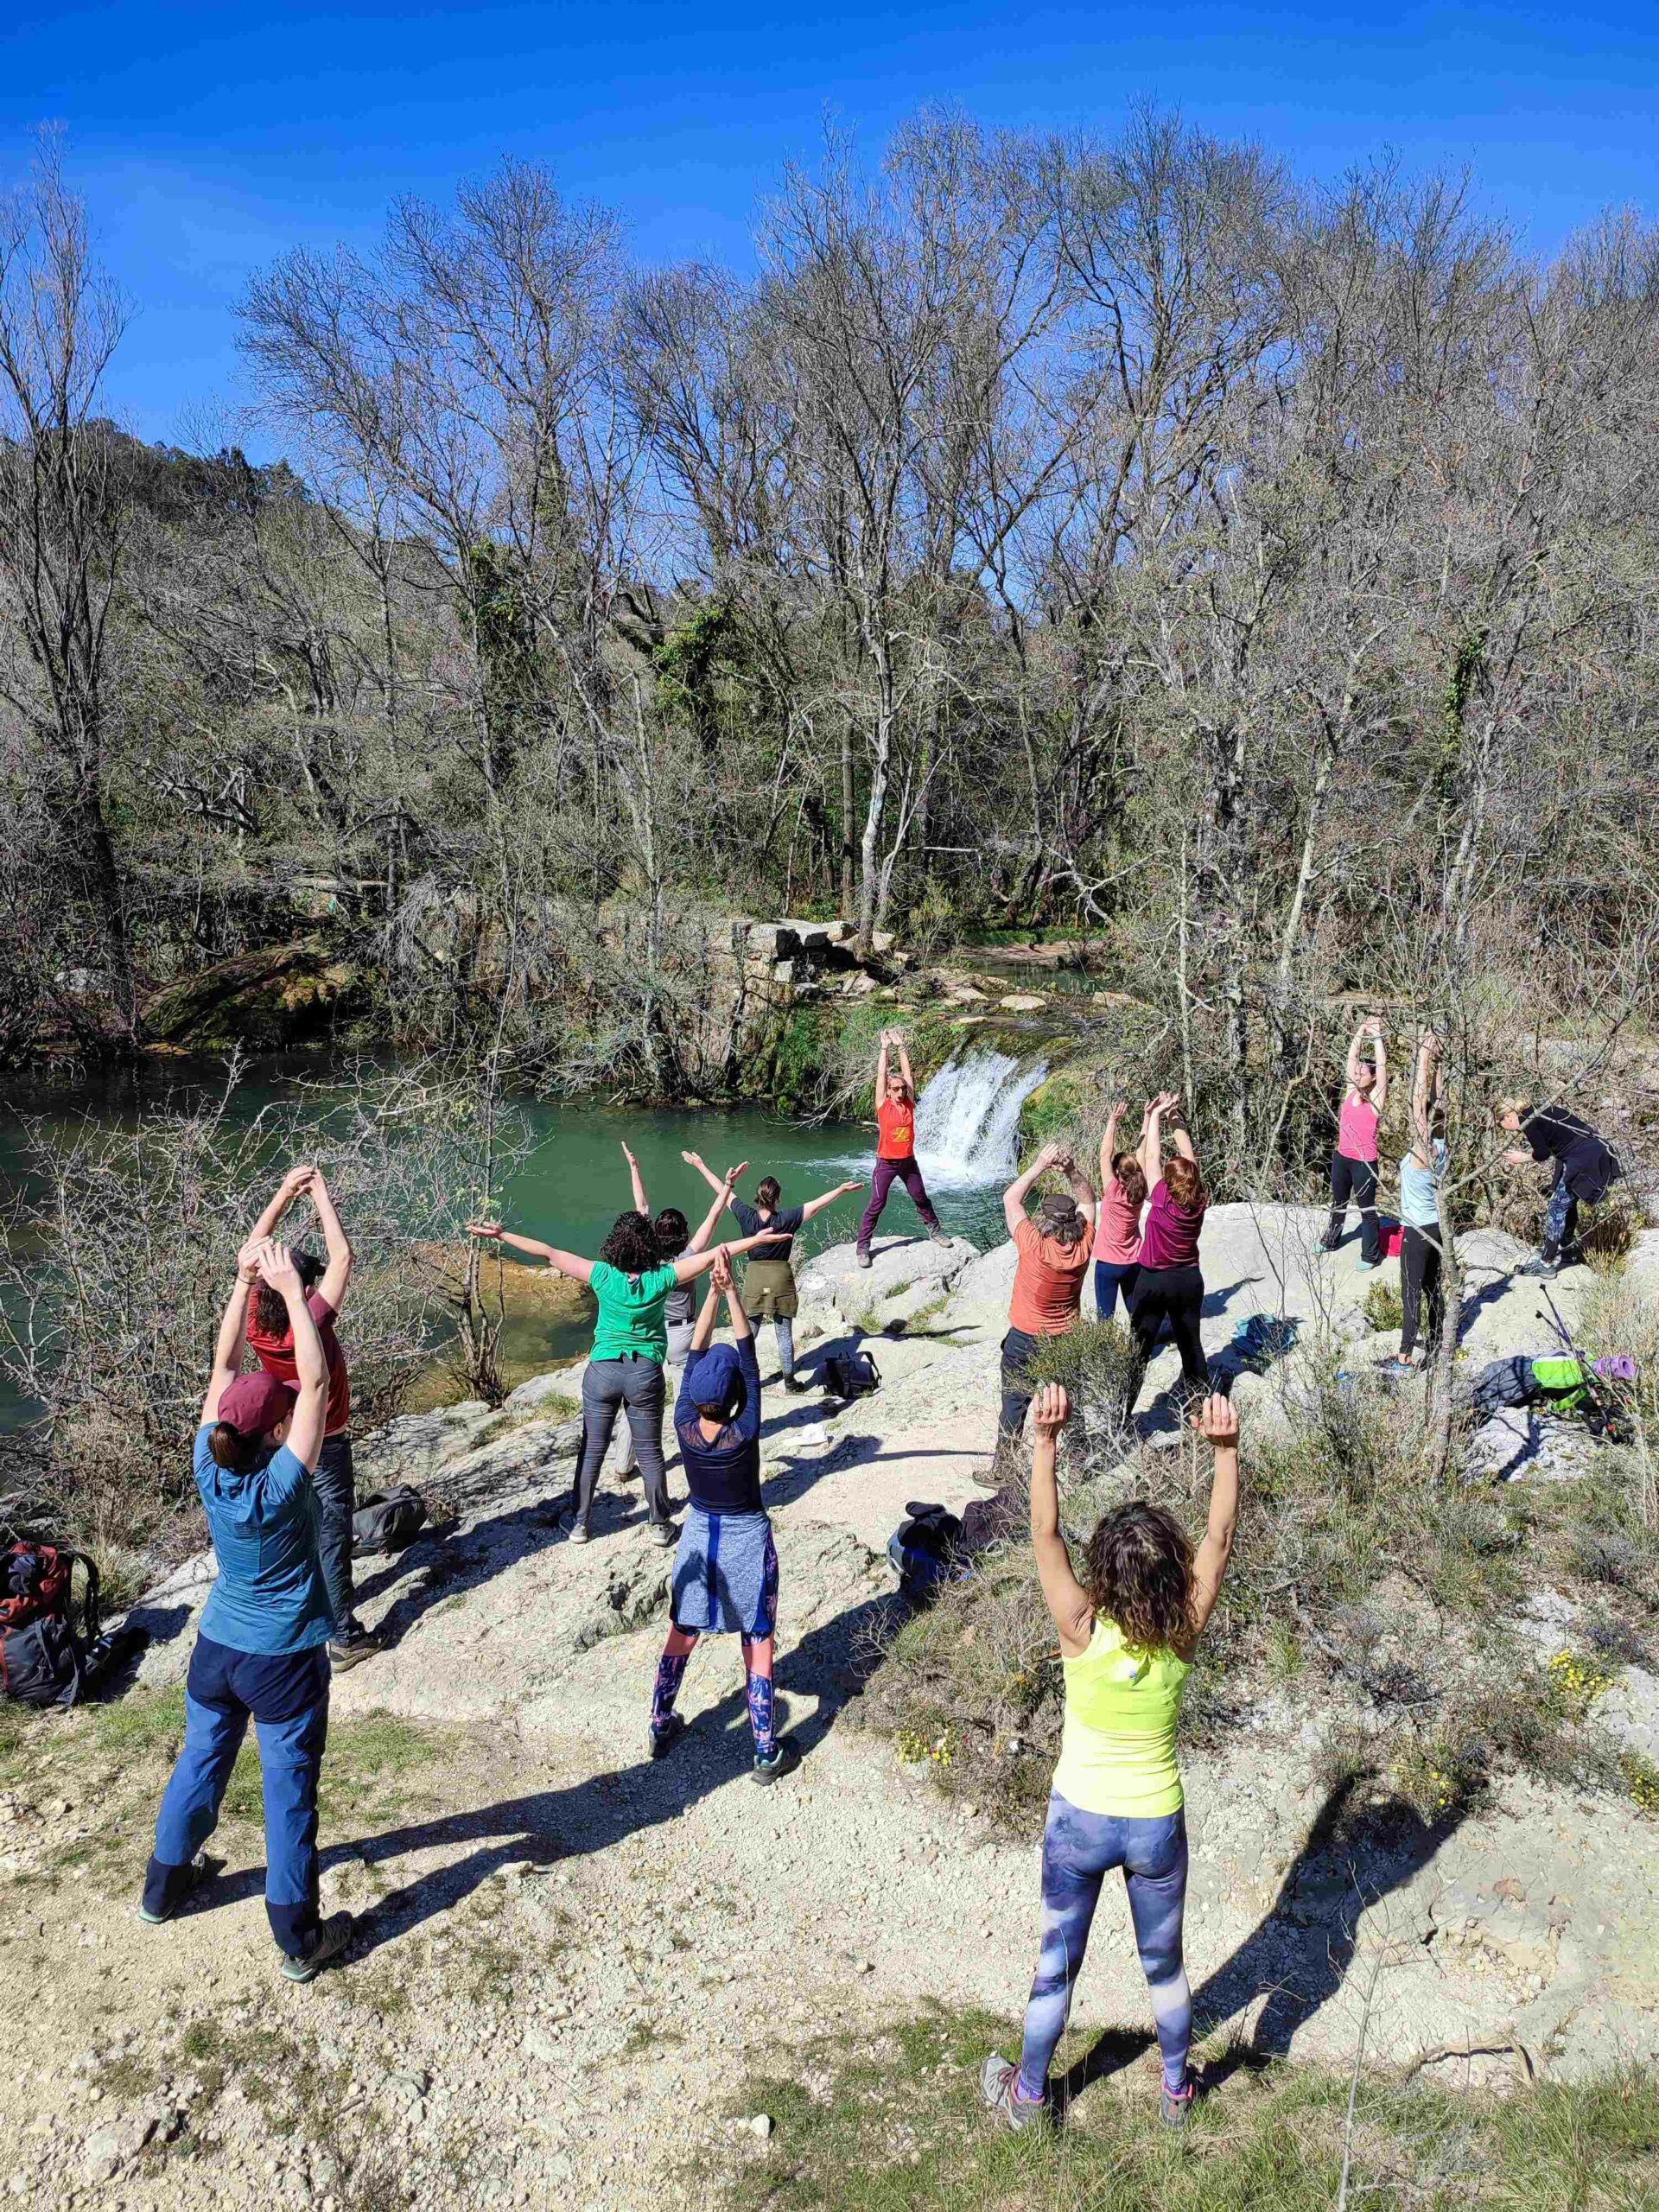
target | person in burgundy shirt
[
  {"x": 895, "y": 1146},
  {"x": 271, "y": 1341},
  {"x": 1170, "y": 1286}
]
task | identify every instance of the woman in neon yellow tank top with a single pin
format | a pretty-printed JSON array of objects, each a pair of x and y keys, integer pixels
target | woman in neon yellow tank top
[{"x": 1127, "y": 1633}]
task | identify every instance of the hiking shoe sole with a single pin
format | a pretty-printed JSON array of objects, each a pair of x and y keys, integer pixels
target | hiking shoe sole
[
  {"x": 999, "y": 2090},
  {"x": 785, "y": 1760},
  {"x": 332, "y": 1937},
  {"x": 664, "y": 1533},
  {"x": 344, "y": 1656},
  {"x": 581, "y": 1533}
]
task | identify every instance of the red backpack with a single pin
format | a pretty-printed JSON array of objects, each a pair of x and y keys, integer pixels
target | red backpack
[{"x": 43, "y": 1655}]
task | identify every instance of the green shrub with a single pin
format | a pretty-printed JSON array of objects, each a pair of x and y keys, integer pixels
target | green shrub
[{"x": 1385, "y": 1308}]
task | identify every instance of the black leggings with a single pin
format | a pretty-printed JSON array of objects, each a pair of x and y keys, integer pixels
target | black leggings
[
  {"x": 1419, "y": 1278},
  {"x": 1354, "y": 1179},
  {"x": 1175, "y": 1295}
]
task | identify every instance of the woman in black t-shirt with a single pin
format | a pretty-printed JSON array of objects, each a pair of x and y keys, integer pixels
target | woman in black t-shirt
[{"x": 769, "y": 1280}]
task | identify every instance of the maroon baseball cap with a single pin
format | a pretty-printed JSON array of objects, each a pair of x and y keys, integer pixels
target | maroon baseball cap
[{"x": 255, "y": 1403}]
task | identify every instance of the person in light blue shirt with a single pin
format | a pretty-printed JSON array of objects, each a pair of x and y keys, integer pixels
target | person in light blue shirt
[
  {"x": 261, "y": 1651},
  {"x": 1421, "y": 1172}
]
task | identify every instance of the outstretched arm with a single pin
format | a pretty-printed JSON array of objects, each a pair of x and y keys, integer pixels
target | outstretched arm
[
  {"x": 1216, "y": 1419},
  {"x": 296, "y": 1180},
  {"x": 690, "y": 1265},
  {"x": 710, "y": 1220},
  {"x": 708, "y": 1314},
  {"x": 1380, "y": 1089},
  {"x": 1068, "y": 1602},
  {"x": 232, "y": 1329},
  {"x": 1109, "y": 1142},
  {"x": 1179, "y": 1135},
  {"x": 881, "y": 1068},
  {"x": 1152, "y": 1141},
  {"x": 904, "y": 1061},
  {"x": 828, "y": 1198},
  {"x": 1425, "y": 1089},
  {"x": 305, "y": 1438},
  {"x": 568, "y": 1263},
  {"x": 1354, "y": 1044},
  {"x": 1014, "y": 1199},
  {"x": 338, "y": 1273},
  {"x": 641, "y": 1203},
  {"x": 1081, "y": 1188},
  {"x": 695, "y": 1160}
]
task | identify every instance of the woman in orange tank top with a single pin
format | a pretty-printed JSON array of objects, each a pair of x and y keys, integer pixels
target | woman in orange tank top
[{"x": 895, "y": 1146}]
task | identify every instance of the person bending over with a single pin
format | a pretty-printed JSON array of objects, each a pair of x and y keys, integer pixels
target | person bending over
[
  {"x": 1053, "y": 1259},
  {"x": 769, "y": 1291},
  {"x": 725, "y": 1577},
  {"x": 1170, "y": 1286},
  {"x": 624, "y": 1369},
  {"x": 673, "y": 1236},
  {"x": 261, "y": 1651},
  {"x": 1122, "y": 1197},
  {"x": 1586, "y": 1169},
  {"x": 1422, "y": 1169},
  {"x": 895, "y": 1146},
  {"x": 271, "y": 1341},
  {"x": 1128, "y": 1628},
  {"x": 1353, "y": 1164}
]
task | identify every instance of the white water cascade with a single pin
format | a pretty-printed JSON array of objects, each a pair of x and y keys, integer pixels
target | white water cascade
[{"x": 967, "y": 1116}]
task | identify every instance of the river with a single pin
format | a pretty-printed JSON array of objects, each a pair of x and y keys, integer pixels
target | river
[{"x": 574, "y": 1184}]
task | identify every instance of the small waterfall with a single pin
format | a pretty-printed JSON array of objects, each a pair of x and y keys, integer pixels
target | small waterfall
[{"x": 967, "y": 1116}]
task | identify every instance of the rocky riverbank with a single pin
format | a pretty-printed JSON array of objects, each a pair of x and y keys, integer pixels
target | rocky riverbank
[{"x": 571, "y": 1959}]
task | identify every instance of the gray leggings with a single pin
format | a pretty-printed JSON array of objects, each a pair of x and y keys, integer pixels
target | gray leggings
[
  {"x": 784, "y": 1328},
  {"x": 635, "y": 1386}
]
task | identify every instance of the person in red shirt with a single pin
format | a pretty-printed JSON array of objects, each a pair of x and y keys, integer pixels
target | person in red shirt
[
  {"x": 271, "y": 1341},
  {"x": 1053, "y": 1260},
  {"x": 895, "y": 1146}
]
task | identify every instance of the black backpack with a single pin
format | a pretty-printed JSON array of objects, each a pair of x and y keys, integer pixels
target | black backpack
[
  {"x": 851, "y": 1375},
  {"x": 924, "y": 1550},
  {"x": 387, "y": 1520},
  {"x": 44, "y": 1658}
]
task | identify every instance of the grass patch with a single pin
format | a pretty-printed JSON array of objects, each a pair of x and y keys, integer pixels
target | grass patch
[{"x": 863, "y": 2128}]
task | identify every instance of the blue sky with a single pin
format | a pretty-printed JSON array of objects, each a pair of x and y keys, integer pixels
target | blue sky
[{"x": 207, "y": 139}]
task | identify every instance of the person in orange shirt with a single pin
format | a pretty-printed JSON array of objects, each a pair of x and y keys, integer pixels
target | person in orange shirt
[
  {"x": 1053, "y": 1260},
  {"x": 895, "y": 1146}
]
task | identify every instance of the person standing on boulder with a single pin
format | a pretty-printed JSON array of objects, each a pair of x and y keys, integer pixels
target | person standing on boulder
[
  {"x": 1128, "y": 1628},
  {"x": 1052, "y": 1260},
  {"x": 271, "y": 1341},
  {"x": 1122, "y": 1197},
  {"x": 1353, "y": 1164},
  {"x": 769, "y": 1289},
  {"x": 1170, "y": 1286},
  {"x": 895, "y": 1146},
  {"x": 624, "y": 1369},
  {"x": 725, "y": 1578},
  {"x": 261, "y": 1648},
  {"x": 1586, "y": 1166}
]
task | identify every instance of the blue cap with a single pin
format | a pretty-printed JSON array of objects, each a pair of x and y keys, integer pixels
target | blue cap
[{"x": 712, "y": 1377}]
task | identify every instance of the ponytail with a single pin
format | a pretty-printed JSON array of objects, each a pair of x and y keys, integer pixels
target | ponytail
[{"x": 232, "y": 1450}]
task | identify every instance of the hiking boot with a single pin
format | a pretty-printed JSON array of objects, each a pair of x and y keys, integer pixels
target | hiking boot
[
  {"x": 664, "y": 1533},
  {"x": 331, "y": 1939},
  {"x": 999, "y": 2088},
  {"x": 864, "y": 1255},
  {"x": 348, "y": 1650},
  {"x": 938, "y": 1234},
  {"x": 1547, "y": 1270},
  {"x": 664, "y": 1739},
  {"x": 785, "y": 1757},
  {"x": 201, "y": 1869},
  {"x": 798, "y": 1383},
  {"x": 581, "y": 1533},
  {"x": 1174, "y": 2105}
]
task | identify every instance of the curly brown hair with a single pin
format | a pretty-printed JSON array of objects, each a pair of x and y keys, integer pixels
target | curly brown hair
[
  {"x": 631, "y": 1245},
  {"x": 1140, "y": 1575}
]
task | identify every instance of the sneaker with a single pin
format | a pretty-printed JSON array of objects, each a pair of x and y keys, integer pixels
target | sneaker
[
  {"x": 664, "y": 1533},
  {"x": 581, "y": 1533},
  {"x": 785, "y": 1757},
  {"x": 1367, "y": 1267},
  {"x": 939, "y": 1235},
  {"x": 330, "y": 1940},
  {"x": 628, "y": 1474},
  {"x": 1174, "y": 2105},
  {"x": 864, "y": 1255},
  {"x": 999, "y": 2088},
  {"x": 195, "y": 1874},
  {"x": 798, "y": 1383},
  {"x": 664, "y": 1739},
  {"x": 1547, "y": 1270},
  {"x": 1397, "y": 1369},
  {"x": 349, "y": 1650}
]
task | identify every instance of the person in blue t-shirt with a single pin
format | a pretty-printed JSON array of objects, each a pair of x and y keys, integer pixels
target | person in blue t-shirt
[{"x": 262, "y": 1648}]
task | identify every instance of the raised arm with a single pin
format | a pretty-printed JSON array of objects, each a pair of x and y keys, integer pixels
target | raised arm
[
  {"x": 690, "y": 1265},
  {"x": 710, "y": 1220},
  {"x": 881, "y": 1068},
  {"x": 1067, "y": 1600},
  {"x": 904, "y": 1061},
  {"x": 695, "y": 1160},
  {"x": 1380, "y": 1089},
  {"x": 1152, "y": 1141},
  {"x": 232, "y": 1330},
  {"x": 567, "y": 1263},
  {"x": 305, "y": 1438},
  {"x": 338, "y": 1273},
  {"x": 296, "y": 1180},
  {"x": 828, "y": 1198},
  {"x": 636, "y": 1183},
  {"x": 1216, "y": 1420},
  {"x": 1014, "y": 1199},
  {"x": 1425, "y": 1089},
  {"x": 1109, "y": 1142},
  {"x": 1081, "y": 1188},
  {"x": 1354, "y": 1044},
  {"x": 1179, "y": 1135}
]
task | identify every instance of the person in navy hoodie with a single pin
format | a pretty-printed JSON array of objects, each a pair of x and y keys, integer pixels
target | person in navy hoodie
[{"x": 261, "y": 1651}]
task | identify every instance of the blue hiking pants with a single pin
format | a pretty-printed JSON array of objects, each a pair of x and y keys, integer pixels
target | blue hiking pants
[{"x": 285, "y": 1694}]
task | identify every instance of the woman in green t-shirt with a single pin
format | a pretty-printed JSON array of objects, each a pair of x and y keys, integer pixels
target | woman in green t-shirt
[{"x": 631, "y": 1282}]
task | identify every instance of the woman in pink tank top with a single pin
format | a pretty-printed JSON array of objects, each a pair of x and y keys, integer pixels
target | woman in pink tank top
[
  {"x": 1117, "y": 1233},
  {"x": 1353, "y": 1164}
]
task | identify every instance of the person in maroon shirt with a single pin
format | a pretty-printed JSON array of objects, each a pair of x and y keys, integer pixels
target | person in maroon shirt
[
  {"x": 1170, "y": 1286},
  {"x": 271, "y": 1341}
]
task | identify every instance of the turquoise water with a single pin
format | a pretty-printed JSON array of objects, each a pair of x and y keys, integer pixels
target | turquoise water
[{"x": 572, "y": 1186}]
